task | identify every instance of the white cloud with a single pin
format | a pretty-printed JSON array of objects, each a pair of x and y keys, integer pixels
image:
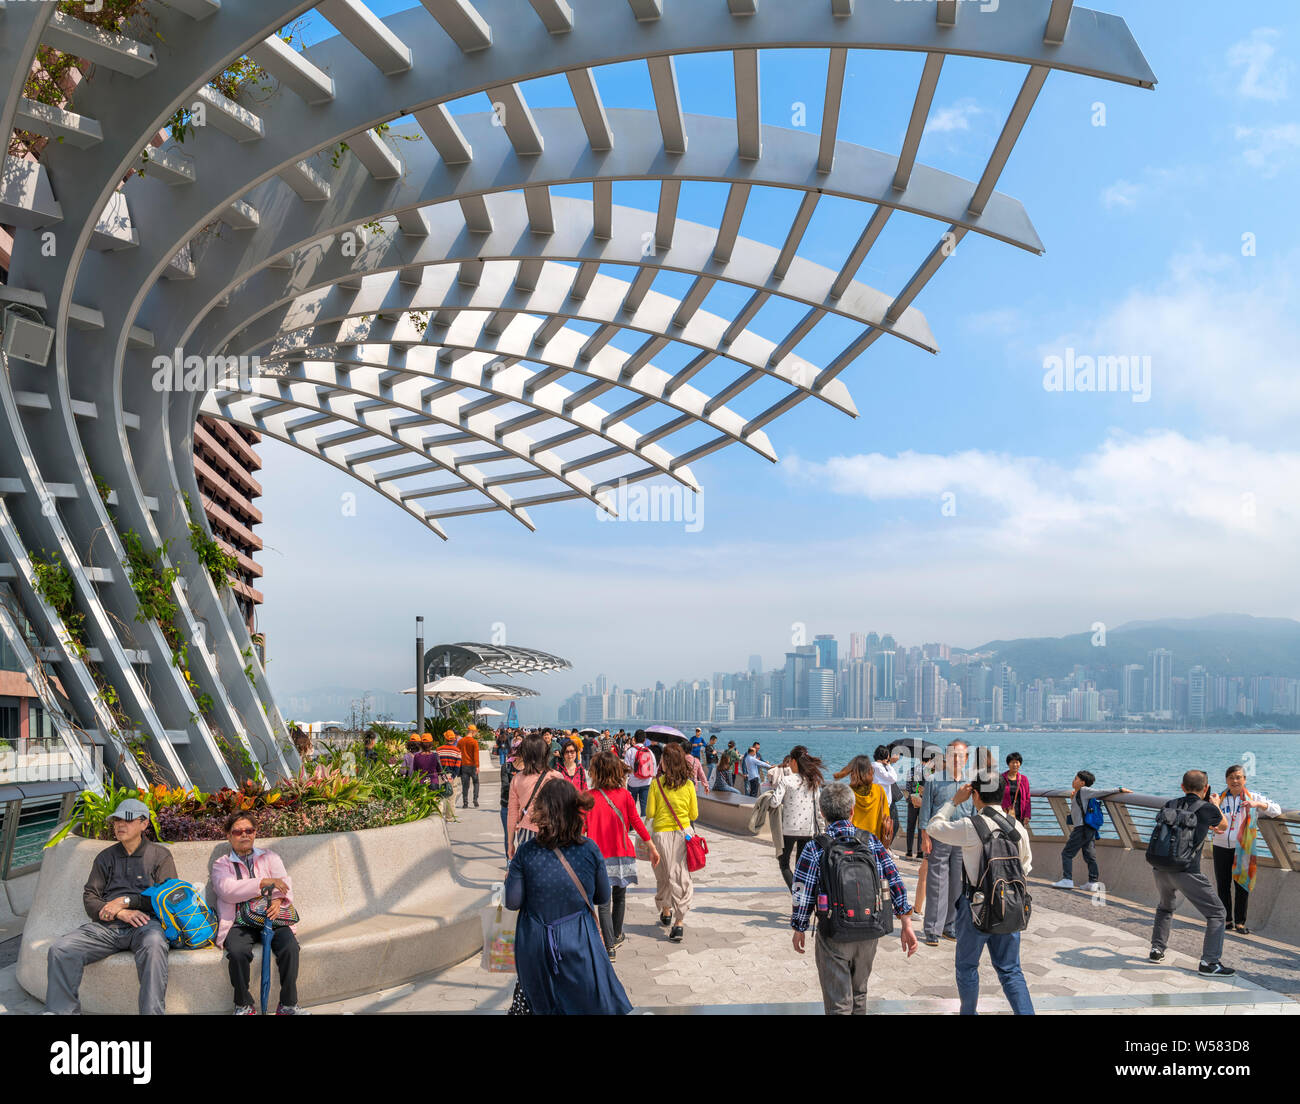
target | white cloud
[
  {"x": 1269, "y": 149},
  {"x": 1221, "y": 330},
  {"x": 1123, "y": 193},
  {"x": 958, "y": 116},
  {"x": 1263, "y": 74}
]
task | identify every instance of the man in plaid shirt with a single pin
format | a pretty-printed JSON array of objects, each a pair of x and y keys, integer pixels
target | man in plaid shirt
[{"x": 844, "y": 968}]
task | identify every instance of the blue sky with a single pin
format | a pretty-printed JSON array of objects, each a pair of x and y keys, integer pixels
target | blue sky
[{"x": 1062, "y": 508}]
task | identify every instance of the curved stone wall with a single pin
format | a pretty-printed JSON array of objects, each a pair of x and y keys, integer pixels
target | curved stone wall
[{"x": 378, "y": 908}]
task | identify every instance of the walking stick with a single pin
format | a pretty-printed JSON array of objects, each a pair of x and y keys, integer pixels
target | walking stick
[{"x": 266, "y": 951}]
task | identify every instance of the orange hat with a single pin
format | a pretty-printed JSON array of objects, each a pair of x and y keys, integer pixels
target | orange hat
[
  {"x": 425, "y": 737},
  {"x": 449, "y": 734}
]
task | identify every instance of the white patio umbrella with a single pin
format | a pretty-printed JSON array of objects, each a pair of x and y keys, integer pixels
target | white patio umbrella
[
  {"x": 457, "y": 688},
  {"x": 484, "y": 711}
]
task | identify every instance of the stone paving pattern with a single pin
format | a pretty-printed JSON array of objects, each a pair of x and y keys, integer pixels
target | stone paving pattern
[
  {"x": 737, "y": 956},
  {"x": 738, "y": 951}
]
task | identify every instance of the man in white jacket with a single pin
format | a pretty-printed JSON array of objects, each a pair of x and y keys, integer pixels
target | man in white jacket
[{"x": 952, "y": 827}]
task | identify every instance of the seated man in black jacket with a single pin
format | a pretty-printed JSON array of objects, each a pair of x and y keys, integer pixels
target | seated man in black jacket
[{"x": 120, "y": 916}]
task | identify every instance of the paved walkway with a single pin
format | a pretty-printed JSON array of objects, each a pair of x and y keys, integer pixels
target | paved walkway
[{"x": 737, "y": 956}]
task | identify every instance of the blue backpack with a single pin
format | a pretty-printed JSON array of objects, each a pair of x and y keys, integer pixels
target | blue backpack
[
  {"x": 1094, "y": 816},
  {"x": 187, "y": 921}
]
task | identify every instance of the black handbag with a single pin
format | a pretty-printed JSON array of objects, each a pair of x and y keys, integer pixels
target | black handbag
[{"x": 252, "y": 914}]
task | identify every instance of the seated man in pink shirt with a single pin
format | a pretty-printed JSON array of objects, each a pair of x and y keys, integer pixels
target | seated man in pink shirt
[{"x": 243, "y": 874}]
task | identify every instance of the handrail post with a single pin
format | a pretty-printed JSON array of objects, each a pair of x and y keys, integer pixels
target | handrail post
[
  {"x": 1280, "y": 843},
  {"x": 13, "y": 810},
  {"x": 1124, "y": 826}
]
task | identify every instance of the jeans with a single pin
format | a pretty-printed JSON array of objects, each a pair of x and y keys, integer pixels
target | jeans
[
  {"x": 942, "y": 888},
  {"x": 467, "y": 775},
  {"x": 1196, "y": 887},
  {"x": 505, "y": 826},
  {"x": 611, "y": 915},
  {"x": 843, "y": 969},
  {"x": 642, "y": 795},
  {"x": 1082, "y": 839},
  {"x": 70, "y": 955},
  {"x": 1230, "y": 892},
  {"x": 1004, "y": 953},
  {"x": 722, "y": 784},
  {"x": 795, "y": 844},
  {"x": 240, "y": 942}
]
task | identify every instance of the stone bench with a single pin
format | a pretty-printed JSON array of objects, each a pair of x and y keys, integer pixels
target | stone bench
[
  {"x": 727, "y": 811},
  {"x": 378, "y": 908}
]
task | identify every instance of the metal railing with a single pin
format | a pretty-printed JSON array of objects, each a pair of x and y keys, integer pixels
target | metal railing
[
  {"x": 29, "y": 813},
  {"x": 1131, "y": 817}
]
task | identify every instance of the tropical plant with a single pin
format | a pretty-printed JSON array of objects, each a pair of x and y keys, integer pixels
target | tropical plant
[{"x": 91, "y": 812}]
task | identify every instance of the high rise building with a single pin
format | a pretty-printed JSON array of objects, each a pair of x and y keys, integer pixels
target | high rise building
[
  {"x": 1130, "y": 688},
  {"x": 1161, "y": 662},
  {"x": 857, "y": 646},
  {"x": 821, "y": 693},
  {"x": 885, "y": 675},
  {"x": 827, "y": 651},
  {"x": 873, "y": 646},
  {"x": 797, "y": 665},
  {"x": 929, "y": 702},
  {"x": 860, "y": 689},
  {"x": 755, "y": 664},
  {"x": 224, "y": 462}
]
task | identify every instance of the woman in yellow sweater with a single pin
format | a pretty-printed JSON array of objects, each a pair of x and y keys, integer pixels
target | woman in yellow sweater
[
  {"x": 870, "y": 800},
  {"x": 671, "y": 810}
]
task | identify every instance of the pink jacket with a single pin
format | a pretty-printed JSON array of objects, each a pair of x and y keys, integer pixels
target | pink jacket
[{"x": 233, "y": 887}]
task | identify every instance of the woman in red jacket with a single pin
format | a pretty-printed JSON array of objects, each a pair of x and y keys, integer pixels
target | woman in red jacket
[
  {"x": 611, "y": 819},
  {"x": 570, "y": 766}
]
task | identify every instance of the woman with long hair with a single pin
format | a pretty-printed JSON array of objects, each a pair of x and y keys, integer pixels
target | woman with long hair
[
  {"x": 571, "y": 768},
  {"x": 795, "y": 792},
  {"x": 556, "y": 880},
  {"x": 870, "y": 800},
  {"x": 612, "y": 817},
  {"x": 886, "y": 775},
  {"x": 672, "y": 808},
  {"x": 524, "y": 790}
]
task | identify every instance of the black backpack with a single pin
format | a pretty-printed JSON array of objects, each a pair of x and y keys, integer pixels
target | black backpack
[
  {"x": 1173, "y": 844},
  {"x": 856, "y": 908},
  {"x": 999, "y": 900}
]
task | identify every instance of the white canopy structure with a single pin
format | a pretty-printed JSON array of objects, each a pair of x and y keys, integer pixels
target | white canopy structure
[{"x": 512, "y": 338}]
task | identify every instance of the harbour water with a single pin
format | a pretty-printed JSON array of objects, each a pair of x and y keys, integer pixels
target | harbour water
[{"x": 1147, "y": 762}]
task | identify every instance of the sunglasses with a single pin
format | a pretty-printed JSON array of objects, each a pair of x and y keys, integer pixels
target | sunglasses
[{"x": 243, "y": 831}]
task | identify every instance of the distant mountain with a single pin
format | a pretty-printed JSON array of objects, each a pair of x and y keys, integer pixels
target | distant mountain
[{"x": 1224, "y": 643}]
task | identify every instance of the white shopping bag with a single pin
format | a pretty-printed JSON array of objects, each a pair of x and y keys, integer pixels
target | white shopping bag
[{"x": 498, "y": 934}]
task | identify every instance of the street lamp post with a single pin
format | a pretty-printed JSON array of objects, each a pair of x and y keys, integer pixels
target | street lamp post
[{"x": 419, "y": 675}]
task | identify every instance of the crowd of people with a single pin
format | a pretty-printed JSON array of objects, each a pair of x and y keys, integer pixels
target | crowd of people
[{"x": 578, "y": 811}]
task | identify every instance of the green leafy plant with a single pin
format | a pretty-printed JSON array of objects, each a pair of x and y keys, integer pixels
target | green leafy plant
[
  {"x": 53, "y": 582},
  {"x": 91, "y": 812},
  {"x": 219, "y": 564},
  {"x": 101, "y": 485}
]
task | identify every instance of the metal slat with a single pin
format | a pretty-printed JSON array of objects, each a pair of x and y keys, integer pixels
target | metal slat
[
  {"x": 666, "y": 220},
  {"x": 668, "y": 103},
  {"x": 447, "y": 138},
  {"x": 929, "y": 267},
  {"x": 556, "y": 15},
  {"x": 462, "y": 22},
  {"x": 361, "y": 27},
  {"x": 860, "y": 250},
  {"x": 797, "y": 229},
  {"x": 520, "y": 126},
  {"x": 582, "y": 83},
  {"x": 749, "y": 139},
  {"x": 831, "y": 108},
  {"x": 1020, "y": 110},
  {"x": 1058, "y": 22},
  {"x": 920, "y": 112},
  {"x": 729, "y": 227}
]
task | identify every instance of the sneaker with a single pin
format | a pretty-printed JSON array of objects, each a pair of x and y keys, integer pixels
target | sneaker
[
  {"x": 950, "y": 938},
  {"x": 930, "y": 941},
  {"x": 1156, "y": 956},
  {"x": 476, "y": 804},
  {"x": 1091, "y": 887},
  {"x": 1064, "y": 883},
  {"x": 245, "y": 1010},
  {"x": 622, "y": 938},
  {"x": 613, "y": 952},
  {"x": 291, "y": 1010},
  {"x": 1216, "y": 969},
  {"x": 1242, "y": 929},
  {"x": 675, "y": 936}
]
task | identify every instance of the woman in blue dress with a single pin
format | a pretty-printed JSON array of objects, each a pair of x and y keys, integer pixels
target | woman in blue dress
[{"x": 564, "y": 969}]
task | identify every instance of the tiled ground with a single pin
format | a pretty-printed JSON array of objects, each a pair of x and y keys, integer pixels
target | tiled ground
[{"x": 737, "y": 955}]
